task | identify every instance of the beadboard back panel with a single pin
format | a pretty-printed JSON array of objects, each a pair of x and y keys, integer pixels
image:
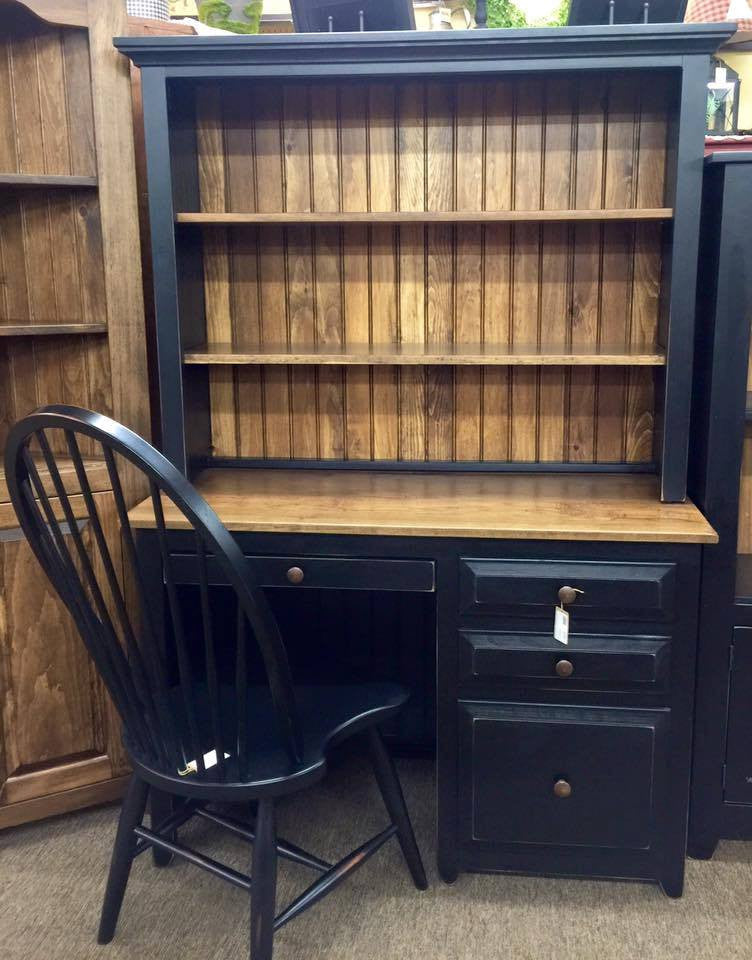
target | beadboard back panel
[{"x": 525, "y": 144}]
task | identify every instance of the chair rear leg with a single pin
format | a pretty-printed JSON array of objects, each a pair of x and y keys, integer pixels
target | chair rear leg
[
  {"x": 131, "y": 816},
  {"x": 160, "y": 808},
  {"x": 394, "y": 801},
  {"x": 263, "y": 882}
]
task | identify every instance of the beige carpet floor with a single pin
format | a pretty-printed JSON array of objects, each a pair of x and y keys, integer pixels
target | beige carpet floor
[{"x": 52, "y": 876}]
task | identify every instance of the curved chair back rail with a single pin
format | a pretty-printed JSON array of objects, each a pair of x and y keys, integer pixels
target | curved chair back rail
[{"x": 179, "y": 699}]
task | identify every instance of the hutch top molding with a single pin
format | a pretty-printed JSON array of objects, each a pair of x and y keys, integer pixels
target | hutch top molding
[
  {"x": 426, "y": 250},
  {"x": 322, "y": 54}
]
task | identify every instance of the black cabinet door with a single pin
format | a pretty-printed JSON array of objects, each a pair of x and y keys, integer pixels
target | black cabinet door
[
  {"x": 738, "y": 787},
  {"x": 539, "y": 774}
]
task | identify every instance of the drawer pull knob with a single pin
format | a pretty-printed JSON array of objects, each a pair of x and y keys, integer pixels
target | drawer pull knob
[
  {"x": 564, "y": 668},
  {"x": 295, "y": 575},
  {"x": 568, "y": 595},
  {"x": 562, "y": 789}
]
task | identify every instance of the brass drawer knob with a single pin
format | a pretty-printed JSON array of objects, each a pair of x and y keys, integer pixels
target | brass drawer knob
[
  {"x": 568, "y": 595},
  {"x": 562, "y": 789},
  {"x": 564, "y": 668},
  {"x": 295, "y": 575}
]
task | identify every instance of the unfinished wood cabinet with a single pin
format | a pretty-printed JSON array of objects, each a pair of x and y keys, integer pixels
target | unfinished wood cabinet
[{"x": 71, "y": 331}]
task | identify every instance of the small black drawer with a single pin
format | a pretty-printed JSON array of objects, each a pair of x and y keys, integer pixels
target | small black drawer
[
  {"x": 537, "y": 656},
  {"x": 623, "y": 591},
  {"x": 344, "y": 573},
  {"x": 569, "y": 776}
]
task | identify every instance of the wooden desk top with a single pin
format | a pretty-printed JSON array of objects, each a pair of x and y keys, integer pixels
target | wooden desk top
[{"x": 491, "y": 506}]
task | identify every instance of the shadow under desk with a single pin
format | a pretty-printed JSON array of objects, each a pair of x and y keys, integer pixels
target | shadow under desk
[{"x": 552, "y": 759}]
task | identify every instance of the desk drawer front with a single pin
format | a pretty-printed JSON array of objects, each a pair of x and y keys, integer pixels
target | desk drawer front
[
  {"x": 622, "y": 591},
  {"x": 343, "y": 573},
  {"x": 568, "y": 776},
  {"x": 537, "y": 656}
]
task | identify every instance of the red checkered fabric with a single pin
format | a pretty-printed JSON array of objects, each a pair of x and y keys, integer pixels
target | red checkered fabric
[{"x": 710, "y": 11}]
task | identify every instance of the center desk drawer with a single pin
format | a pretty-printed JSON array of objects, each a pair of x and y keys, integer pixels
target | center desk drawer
[
  {"x": 342, "y": 573},
  {"x": 487, "y": 656},
  {"x": 610, "y": 590}
]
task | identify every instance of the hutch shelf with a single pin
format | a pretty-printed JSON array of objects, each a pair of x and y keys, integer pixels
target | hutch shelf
[
  {"x": 435, "y": 251},
  {"x": 412, "y": 290}
]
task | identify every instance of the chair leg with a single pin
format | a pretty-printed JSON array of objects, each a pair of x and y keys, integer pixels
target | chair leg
[
  {"x": 394, "y": 801},
  {"x": 160, "y": 808},
  {"x": 131, "y": 816},
  {"x": 263, "y": 882}
]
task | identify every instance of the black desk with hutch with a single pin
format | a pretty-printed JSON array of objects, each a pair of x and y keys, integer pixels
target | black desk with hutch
[{"x": 423, "y": 329}]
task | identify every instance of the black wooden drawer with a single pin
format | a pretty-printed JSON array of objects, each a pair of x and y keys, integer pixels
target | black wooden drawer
[
  {"x": 512, "y": 756},
  {"x": 537, "y": 656},
  {"x": 345, "y": 573},
  {"x": 623, "y": 591}
]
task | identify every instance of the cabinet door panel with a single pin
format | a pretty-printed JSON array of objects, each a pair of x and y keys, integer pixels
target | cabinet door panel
[
  {"x": 513, "y": 756},
  {"x": 738, "y": 788},
  {"x": 59, "y": 731}
]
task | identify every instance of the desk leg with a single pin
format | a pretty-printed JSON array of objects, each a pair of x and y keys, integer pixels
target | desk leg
[{"x": 446, "y": 717}]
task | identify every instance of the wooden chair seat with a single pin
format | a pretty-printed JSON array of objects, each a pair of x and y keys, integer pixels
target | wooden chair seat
[{"x": 328, "y": 715}]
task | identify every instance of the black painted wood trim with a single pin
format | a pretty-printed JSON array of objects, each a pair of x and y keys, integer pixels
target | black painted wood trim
[{"x": 413, "y": 47}]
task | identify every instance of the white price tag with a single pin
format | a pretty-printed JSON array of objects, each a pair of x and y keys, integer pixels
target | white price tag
[{"x": 561, "y": 625}]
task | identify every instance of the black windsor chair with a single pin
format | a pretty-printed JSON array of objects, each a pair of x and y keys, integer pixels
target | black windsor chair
[{"x": 195, "y": 730}]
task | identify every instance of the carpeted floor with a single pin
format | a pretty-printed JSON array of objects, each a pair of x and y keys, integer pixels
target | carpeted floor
[{"x": 52, "y": 876}]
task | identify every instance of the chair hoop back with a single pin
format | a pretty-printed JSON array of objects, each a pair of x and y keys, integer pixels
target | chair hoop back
[{"x": 171, "y": 693}]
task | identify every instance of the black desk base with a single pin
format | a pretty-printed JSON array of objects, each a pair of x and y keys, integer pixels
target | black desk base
[{"x": 553, "y": 760}]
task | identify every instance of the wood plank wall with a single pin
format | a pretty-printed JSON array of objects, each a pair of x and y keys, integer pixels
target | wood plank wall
[
  {"x": 51, "y": 268},
  {"x": 528, "y": 144},
  {"x": 51, "y": 260}
]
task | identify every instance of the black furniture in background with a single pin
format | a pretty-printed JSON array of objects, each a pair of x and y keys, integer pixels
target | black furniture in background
[
  {"x": 583, "y": 12},
  {"x": 341, "y": 16},
  {"x": 721, "y": 803},
  {"x": 195, "y": 728}
]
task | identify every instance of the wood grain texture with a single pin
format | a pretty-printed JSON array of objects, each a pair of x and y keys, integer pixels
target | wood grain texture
[
  {"x": 428, "y": 216},
  {"x": 433, "y": 233},
  {"x": 555, "y": 507},
  {"x": 68, "y": 232},
  {"x": 45, "y": 107},
  {"x": 47, "y": 706},
  {"x": 406, "y": 354}
]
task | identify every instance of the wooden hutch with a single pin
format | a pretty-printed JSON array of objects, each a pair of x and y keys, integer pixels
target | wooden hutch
[
  {"x": 71, "y": 330},
  {"x": 423, "y": 329}
]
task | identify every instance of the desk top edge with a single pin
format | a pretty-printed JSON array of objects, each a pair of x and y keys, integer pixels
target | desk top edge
[{"x": 571, "y": 507}]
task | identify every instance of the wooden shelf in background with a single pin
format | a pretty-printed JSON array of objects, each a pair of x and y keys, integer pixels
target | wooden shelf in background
[
  {"x": 22, "y": 181},
  {"x": 432, "y": 216},
  {"x": 96, "y": 471},
  {"x": 459, "y": 354},
  {"x": 49, "y": 329}
]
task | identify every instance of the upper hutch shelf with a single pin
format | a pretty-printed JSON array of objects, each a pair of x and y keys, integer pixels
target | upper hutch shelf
[
  {"x": 400, "y": 248},
  {"x": 49, "y": 329},
  {"x": 406, "y": 354},
  {"x": 428, "y": 216},
  {"x": 25, "y": 181}
]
